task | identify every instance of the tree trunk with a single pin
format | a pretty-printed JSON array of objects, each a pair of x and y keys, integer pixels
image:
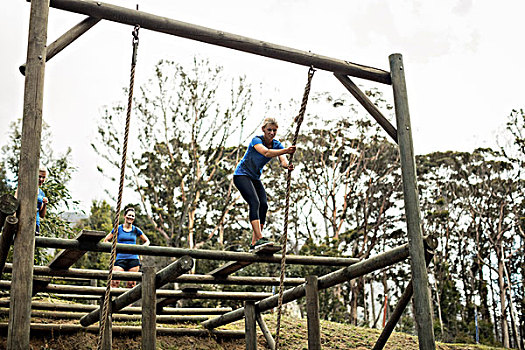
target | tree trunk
[
  {"x": 353, "y": 302},
  {"x": 504, "y": 324}
]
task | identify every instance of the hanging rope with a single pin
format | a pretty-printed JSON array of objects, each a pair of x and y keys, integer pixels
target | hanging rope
[
  {"x": 284, "y": 237},
  {"x": 105, "y": 309}
]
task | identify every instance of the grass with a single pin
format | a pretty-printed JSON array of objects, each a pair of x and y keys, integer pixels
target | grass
[{"x": 294, "y": 336}]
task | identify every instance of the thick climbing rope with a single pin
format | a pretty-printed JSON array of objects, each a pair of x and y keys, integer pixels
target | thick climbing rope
[
  {"x": 105, "y": 309},
  {"x": 284, "y": 238}
]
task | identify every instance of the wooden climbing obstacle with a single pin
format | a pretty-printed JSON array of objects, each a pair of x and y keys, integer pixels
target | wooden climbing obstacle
[{"x": 22, "y": 268}]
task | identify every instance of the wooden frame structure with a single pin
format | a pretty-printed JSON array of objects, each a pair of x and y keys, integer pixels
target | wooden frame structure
[{"x": 37, "y": 55}]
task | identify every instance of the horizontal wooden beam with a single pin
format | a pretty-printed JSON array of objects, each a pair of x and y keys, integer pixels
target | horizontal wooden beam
[
  {"x": 47, "y": 242},
  {"x": 186, "y": 278},
  {"x": 38, "y": 305},
  {"x": 362, "y": 268},
  {"x": 68, "y": 315},
  {"x": 97, "y": 9},
  {"x": 73, "y": 328},
  {"x": 163, "y": 277}
]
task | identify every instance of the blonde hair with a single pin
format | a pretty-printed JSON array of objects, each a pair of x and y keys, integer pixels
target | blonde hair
[{"x": 270, "y": 121}]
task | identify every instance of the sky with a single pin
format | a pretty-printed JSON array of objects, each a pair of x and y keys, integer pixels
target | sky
[{"x": 463, "y": 59}]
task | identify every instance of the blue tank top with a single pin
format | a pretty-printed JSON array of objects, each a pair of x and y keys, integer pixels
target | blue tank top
[{"x": 130, "y": 237}]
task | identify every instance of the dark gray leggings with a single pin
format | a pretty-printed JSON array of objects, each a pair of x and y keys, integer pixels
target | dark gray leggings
[{"x": 253, "y": 192}]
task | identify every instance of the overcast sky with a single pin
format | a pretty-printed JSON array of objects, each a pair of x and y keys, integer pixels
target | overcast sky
[{"x": 463, "y": 63}]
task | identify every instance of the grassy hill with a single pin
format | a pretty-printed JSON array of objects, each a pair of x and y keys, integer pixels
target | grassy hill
[{"x": 294, "y": 337}]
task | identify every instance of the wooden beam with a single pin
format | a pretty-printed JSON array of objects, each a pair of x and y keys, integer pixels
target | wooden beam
[
  {"x": 48, "y": 242},
  {"x": 86, "y": 292},
  {"x": 168, "y": 319},
  {"x": 149, "y": 311},
  {"x": 24, "y": 247},
  {"x": 265, "y": 331},
  {"x": 368, "y": 105},
  {"x": 312, "y": 313},
  {"x": 164, "y": 276},
  {"x": 123, "y": 15},
  {"x": 74, "y": 328},
  {"x": 250, "y": 329},
  {"x": 234, "y": 266},
  {"x": 36, "y": 305},
  {"x": 374, "y": 263},
  {"x": 399, "y": 309},
  {"x": 65, "y": 39},
  {"x": 66, "y": 258},
  {"x": 186, "y": 278},
  {"x": 11, "y": 225},
  {"x": 411, "y": 199}
]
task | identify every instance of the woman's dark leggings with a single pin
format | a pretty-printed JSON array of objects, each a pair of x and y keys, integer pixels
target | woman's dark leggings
[{"x": 253, "y": 192}]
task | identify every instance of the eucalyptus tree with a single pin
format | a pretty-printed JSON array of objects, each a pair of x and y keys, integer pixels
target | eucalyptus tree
[{"x": 187, "y": 119}]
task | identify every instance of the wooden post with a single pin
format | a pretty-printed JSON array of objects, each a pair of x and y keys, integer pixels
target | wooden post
[
  {"x": 249, "y": 325},
  {"x": 312, "y": 313},
  {"x": 65, "y": 39},
  {"x": 107, "y": 341},
  {"x": 149, "y": 311},
  {"x": 11, "y": 224},
  {"x": 411, "y": 198},
  {"x": 24, "y": 249},
  {"x": 265, "y": 331}
]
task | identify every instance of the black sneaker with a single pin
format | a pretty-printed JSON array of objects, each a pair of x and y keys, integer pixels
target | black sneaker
[{"x": 261, "y": 242}]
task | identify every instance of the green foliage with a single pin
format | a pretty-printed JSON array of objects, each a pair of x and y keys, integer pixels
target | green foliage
[{"x": 59, "y": 172}]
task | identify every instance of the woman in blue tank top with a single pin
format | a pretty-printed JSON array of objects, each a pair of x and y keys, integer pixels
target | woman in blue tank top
[
  {"x": 247, "y": 176},
  {"x": 127, "y": 234}
]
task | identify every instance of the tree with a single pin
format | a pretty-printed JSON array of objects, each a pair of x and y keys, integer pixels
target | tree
[
  {"x": 181, "y": 163},
  {"x": 59, "y": 171}
]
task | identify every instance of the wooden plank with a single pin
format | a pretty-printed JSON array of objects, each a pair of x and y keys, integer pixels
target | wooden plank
[
  {"x": 149, "y": 314},
  {"x": 249, "y": 326},
  {"x": 423, "y": 312},
  {"x": 312, "y": 313},
  {"x": 149, "y": 21},
  {"x": 233, "y": 266},
  {"x": 24, "y": 247}
]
